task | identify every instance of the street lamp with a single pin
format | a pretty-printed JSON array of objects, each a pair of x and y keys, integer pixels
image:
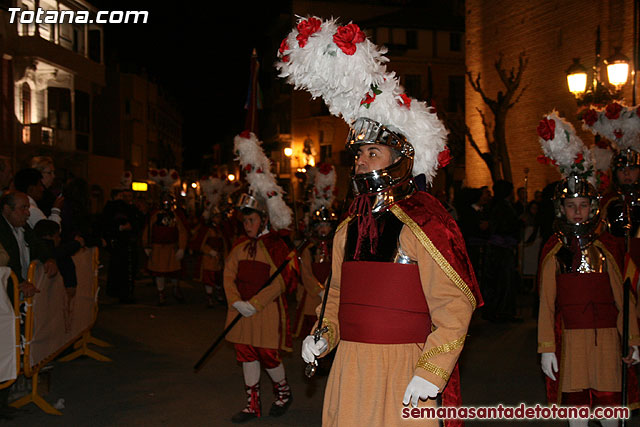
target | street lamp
[
  {"x": 288, "y": 151},
  {"x": 597, "y": 92},
  {"x": 617, "y": 68}
]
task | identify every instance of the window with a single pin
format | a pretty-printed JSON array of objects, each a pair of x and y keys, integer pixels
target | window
[
  {"x": 456, "y": 94},
  {"x": 412, "y": 40},
  {"x": 455, "y": 42},
  {"x": 95, "y": 41},
  {"x": 83, "y": 111},
  {"x": 59, "y": 107},
  {"x": 412, "y": 85},
  {"x": 26, "y": 104}
]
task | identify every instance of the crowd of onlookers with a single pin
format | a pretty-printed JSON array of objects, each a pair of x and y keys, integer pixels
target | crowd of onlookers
[{"x": 504, "y": 233}]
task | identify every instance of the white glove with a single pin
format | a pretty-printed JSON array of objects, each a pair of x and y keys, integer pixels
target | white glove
[
  {"x": 311, "y": 348},
  {"x": 419, "y": 388},
  {"x": 213, "y": 253},
  {"x": 179, "y": 254},
  {"x": 549, "y": 364},
  {"x": 635, "y": 355},
  {"x": 147, "y": 251},
  {"x": 244, "y": 308}
]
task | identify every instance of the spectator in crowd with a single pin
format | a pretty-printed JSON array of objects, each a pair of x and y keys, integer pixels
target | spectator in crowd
[
  {"x": 6, "y": 174},
  {"x": 49, "y": 232},
  {"x": 44, "y": 165},
  {"x": 473, "y": 219},
  {"x": 29, "y": 182},
  {"x": 76, "y": 219},
  {"x": 520, "y": 205},
  {"x": 501, "y": 279},
  {"x": 121, "y": 223}
]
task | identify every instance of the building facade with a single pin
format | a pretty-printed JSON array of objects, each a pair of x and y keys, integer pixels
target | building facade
[{"x": 550, "y": 33}]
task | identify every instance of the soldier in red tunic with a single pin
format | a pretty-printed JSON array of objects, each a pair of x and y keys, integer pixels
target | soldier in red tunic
[
  {"x": 580, "y": 287},
  {"x": 402, "y": 288},
  {"x": 263, "y": 332}
]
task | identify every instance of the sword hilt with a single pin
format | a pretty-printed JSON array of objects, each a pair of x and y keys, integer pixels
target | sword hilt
[{"x": 310, "y": 369}]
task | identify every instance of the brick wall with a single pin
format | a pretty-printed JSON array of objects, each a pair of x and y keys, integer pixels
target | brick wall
[{"x": 551, "y": 33}]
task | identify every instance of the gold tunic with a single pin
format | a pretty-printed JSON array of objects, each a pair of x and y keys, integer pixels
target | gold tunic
[
  {"x": 591, "y": 358},
  {"x": 367, "y": 381},
  {"x": 263, "y": 329},
  {"x": 163, "y": 255}
]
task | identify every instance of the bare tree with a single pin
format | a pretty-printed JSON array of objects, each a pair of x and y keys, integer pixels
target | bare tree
[{"x": 497, "y": 158}]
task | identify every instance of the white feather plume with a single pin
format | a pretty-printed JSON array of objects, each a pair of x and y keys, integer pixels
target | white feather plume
[
  {"x": 262, "y": 183},
  {"x": 616, "y": 122},
  {"x": 324, "y": 187},
  {"x": 359, "y": 85},
  {"x": 566, "y": 149}
]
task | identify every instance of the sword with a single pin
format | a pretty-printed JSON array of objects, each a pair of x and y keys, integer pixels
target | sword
[
  {"x": 310, "y": 369},
  {"x": 224, "y": 333}
]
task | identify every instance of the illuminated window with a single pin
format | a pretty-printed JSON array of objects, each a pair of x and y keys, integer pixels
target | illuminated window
[{"x": 25, "y": 104}]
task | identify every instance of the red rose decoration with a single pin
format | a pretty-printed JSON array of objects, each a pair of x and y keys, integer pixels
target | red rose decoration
[
  {"x": 604, "y": 181},
  {"x": 259, "y": 170},
  {"x": 543, "y": 160},
  {"x": 612, "y": 111},
  {"x": 590, "y": 117},
  {"x": 444, "y": 157},
  {"x": 546, "y": 129},
  {"x": 618, "y": 133},
  {"x": 306, "y": 28},
  {"x": 325, "y": 168},
  {"x": 368, "y": 99},
  {"x": 246, "y": 134},
  {"x": 284, "y": 46},
  {"x": 406, "y": 101},
  {"x": 248, "y": 168},
  {"x": 347, "y": 37},
  {"x": 579, "y": 158}
]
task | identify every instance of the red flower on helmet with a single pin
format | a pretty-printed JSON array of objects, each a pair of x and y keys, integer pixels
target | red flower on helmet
[
  {"x": 246, "y": 134},
  {"x": 590, "y": 117},
  {"x": 444, "y": 157},
  {"x": 579, "y": 158},
  {"x": 368, "y": 99},
  {"x": 347, "y": 37},
  {"x": 618, "y": 133},
  {"x": 284, "y": 46},
  {"x": 325, "y": 168},
  {"x": 543, "y": 160},
  {"x": 406, "y": 101},
  {"x": 248, "y": 168},
  {"x": 546, "y": 129},
  {"x": 306, "y": 28},
  {"x": 612, "y": 111}
]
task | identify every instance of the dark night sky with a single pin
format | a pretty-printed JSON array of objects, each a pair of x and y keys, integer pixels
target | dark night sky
[{"x": 201, "y": 56}]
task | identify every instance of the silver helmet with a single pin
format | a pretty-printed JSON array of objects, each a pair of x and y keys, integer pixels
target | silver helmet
[
  {"x": 572, "y": 187},
  {"x": 250, "y": 201},
  {"x": 626, "y": 158},
  {"x": 396, "y": 177}
]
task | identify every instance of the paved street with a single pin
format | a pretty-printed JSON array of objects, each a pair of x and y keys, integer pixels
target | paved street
[{"x": 151, "y": 381}]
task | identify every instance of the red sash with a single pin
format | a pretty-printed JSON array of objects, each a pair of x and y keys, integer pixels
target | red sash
[
  {"x": 163, "y": 234},
  {"x": 321, "y": 271},
  {"x": 585, "y": 301},
  {"x": 382, "y": 303},
  {"x": 250, "y": 278}
]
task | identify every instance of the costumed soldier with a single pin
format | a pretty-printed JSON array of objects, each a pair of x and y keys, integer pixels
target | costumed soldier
[
  {"x": 263, "y": 332},
  {"x": 315, "y": 260},
  {"x": 402, "y": 290},
  {"x": 164, "y": 239},
  {"x": 580, "y": 284},
  {"x": 212, "y": 247}
]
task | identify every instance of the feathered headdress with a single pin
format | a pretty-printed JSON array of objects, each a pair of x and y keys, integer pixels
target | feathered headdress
[
  {"x": 324, "y": 187},
  {"x": 339, "y": 64},
  {"x": 617, "y": 123},
  {"x": 262, "y": 183},
  {"x": 213, "y": 190},
  {"x": 165, "y": 178},
  {"x": 564, "y": 149}
]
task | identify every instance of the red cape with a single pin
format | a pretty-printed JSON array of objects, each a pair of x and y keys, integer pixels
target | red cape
[
  {"x": 430, "y": 222},
  {"x": 615, "y": 246}
]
